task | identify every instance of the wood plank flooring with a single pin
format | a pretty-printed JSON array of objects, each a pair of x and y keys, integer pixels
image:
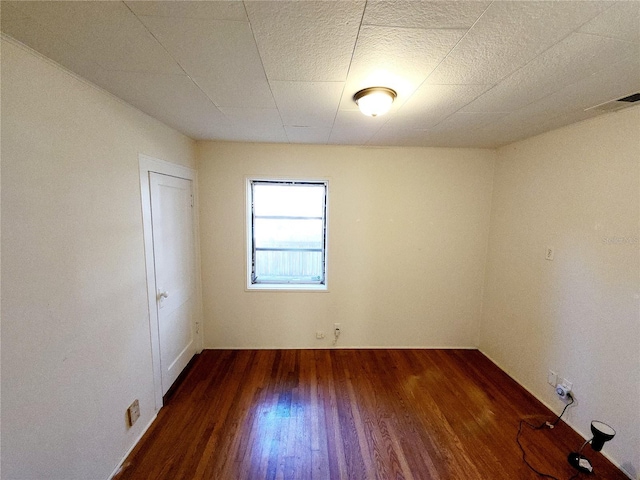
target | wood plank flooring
[{"x": 352, "y": 414}]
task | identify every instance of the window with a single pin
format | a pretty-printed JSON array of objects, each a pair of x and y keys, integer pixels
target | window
[{"x": 286, "y": 234}]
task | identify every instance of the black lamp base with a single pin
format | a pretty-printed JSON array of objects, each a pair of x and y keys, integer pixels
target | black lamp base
[{"x": 580, "y": 463}]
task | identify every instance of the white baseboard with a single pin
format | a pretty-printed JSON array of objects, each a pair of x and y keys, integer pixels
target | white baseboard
[
  {"x": 128, "y": 452},
  {"x": 349, "y": 347}
]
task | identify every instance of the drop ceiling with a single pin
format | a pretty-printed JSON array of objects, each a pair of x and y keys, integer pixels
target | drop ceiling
[{"x": 467, "y": 74}]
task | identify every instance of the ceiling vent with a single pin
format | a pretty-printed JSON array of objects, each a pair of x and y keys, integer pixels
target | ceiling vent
[{"x": 614, "y": 105}]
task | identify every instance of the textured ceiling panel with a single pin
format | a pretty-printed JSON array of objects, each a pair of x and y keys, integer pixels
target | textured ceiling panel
[
  {"x": 466, "y": 122},
  {"x": 565, "y": 106},
  {"x": 508, "y": 36},
  {"x": 106, "y": 31},
  {"x": 433, "y": 103},
  {"x": 398, "y": 58},
  {"x": 48, "y": 43},
  {"x": 307, "y": 104},
  {"x": 578, "y": 56},
  {"x": 245, "y": 93},
  {"x": 353, "y": 128},
  {"x": 412, "y": 14},
  {"x": 230, "y": 10},
  {"x": 308, "y": 134},
  {"x": 258, "y": 121},
  {"x": 473, "y": 73},
  {"x": 10, "y": 13},
  {"x": 593, "y": 90},
  {"x": 393, "y": 134},
  {"x": 305, "y": 41},
  {"x": 621, "y": 21},
  {"x": 173, "y": 99},
  {"x": 446, "y": 133},
  {"x": 221, "y": 56},
  {"x": 252, "y": 117}
]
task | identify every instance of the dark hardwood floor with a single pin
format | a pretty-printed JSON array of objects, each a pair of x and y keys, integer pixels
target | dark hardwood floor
[{"x": 352, "y": 414}]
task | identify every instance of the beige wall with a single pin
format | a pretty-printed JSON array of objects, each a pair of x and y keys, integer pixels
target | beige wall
[
  {"x": 576, "y": 189},
  {"x": 75, "y": 331},
  {"x": 407, "y": 240}
]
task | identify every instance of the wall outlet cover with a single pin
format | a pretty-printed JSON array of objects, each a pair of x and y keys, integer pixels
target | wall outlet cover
[{"x": 133, "y": 412}]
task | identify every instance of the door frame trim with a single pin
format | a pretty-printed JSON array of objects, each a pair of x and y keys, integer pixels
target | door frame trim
[{"x": 148, "y": 165}]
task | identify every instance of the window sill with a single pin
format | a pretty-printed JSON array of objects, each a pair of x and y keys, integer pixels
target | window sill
[{"x": 285, "y": 287}]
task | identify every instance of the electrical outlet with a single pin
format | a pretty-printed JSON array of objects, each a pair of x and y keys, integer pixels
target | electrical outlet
[
  {"x": 133, "y": 413},
  {"x": 552, "y": 378},
  {"x": 567, "y": 384},
  {"x": 336, "y": 328},
  {"x": 564, "y": 389},
  {"x": 319, "y": 335}
]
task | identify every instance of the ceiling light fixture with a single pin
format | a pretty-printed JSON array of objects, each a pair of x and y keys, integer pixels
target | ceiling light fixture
[{"x": 374, "y": 101}]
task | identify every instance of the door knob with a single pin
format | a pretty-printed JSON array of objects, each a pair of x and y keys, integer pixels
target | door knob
[{"x": 162, "y": 295}]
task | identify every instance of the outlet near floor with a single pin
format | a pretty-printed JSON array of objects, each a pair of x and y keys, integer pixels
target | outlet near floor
[{"x": 133, "y": 413}]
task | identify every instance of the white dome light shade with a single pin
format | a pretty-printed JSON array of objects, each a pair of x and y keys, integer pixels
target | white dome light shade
[{"x": 374, "y": 101}]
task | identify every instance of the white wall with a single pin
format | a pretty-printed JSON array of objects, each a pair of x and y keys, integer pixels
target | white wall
[
  {"x": 407, "y": 241},
  {"x": 576, "y": 189},
  {"x": 75, "y": 334}
]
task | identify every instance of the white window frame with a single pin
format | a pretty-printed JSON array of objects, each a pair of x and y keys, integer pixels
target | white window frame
[{"x": 292, "y": 287}]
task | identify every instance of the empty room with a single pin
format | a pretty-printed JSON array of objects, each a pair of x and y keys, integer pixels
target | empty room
[{"x": 320, "y": 240}]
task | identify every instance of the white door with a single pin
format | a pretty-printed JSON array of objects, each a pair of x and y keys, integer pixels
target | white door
[{"x": 174, "y": 259}]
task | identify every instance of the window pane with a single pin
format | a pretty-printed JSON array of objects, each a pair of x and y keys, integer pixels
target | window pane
[
  {"x": 281, "y": 233},
  {"x": 288, "y": 228},
  {"x": 288, "y": 200},
  {"x": 288, "y": 266}
]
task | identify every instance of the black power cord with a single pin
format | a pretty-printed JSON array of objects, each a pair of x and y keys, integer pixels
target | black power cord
[{"x": 540, "y": 427}]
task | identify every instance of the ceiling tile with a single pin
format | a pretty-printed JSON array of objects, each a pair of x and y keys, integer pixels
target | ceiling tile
[
  {"x": 307, "y": 104},
  {"x": 392, "y": 136},
  {"x": 106, "y": 31},
  {"x": 465, "y": 122},
  {"x": 412, "y": 14},
  {"x": 518, "y": 126},
  {"x": 578, "y": 56},
  {"x": 353, "y": 128},
  {"x": 225, "y": 91},
  {"x": 309, "y": 135},
  {"x": 617, "y": 81},
  {"x": 262, "y": 124},
  {"x": 218, "y": 10},
  {"x": 426, "y": 138},
  {"x": 433, "y": 103},
  {"x": 172, "y": 99},
  {"x": 398, "y": 58},
  {"x": 48, "y": 43},
  {"x": 220, "y": 55},
  {"x": 467, "y": 74},
  {"x": 621, "y": 21},
  {"x": 262, "y": 134},
  {"x": 305, "y": 41},
  {"x": 566, "y": 105},
  {"x": 436, "y": 136},
  {"x": 252, "y": 116},
  {"x": 507, "y": 36},
  {"x": 11, "y": 12}
]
